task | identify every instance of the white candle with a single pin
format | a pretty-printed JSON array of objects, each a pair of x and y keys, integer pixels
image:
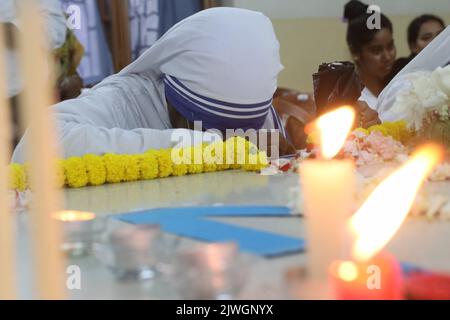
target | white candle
[
  {"x": 37, "y": 99},
  {"x": 7, "y": 243},
  {"x": 328, "y": 188}
]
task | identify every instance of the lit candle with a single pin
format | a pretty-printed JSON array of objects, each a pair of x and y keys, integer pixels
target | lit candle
[
  {"x": 80, "y": 229},
  {"x": 380, "y": 278},
  {"x": 328, "y": 191},
  {"x": 374, "y": 274},
  {"x": 36, "y": 99},
  {"x": 74, "y": 216},
  {"x": 7, "y": 257}
]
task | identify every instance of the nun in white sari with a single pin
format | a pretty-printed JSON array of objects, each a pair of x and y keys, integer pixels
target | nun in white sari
[
  {"x": 436, "y": 54},
  {"x": 219, "y": 66}
]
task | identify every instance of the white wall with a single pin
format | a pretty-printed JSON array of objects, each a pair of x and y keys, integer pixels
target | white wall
[
  {"x": 311, "y": 31},
  {"x": 291, "y": 9}
]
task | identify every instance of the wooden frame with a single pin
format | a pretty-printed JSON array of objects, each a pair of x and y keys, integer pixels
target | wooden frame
[
  {"x": 114, "y": 15},
  {"x": 211, "y": 3}
]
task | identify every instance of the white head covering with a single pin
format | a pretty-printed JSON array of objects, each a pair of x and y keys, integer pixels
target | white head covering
[
  {"x": 56, "y": 28},
  {"x": 222, "y": 64},
  {"x": 52, "y": 13},
  {"x": 436, "y": 54},
  {"x": 227, "y": 54}
]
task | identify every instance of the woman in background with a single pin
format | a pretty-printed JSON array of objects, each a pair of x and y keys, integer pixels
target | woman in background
[
  {"x": 373, "y": 51},
  {"x": 421, "y": 31}
]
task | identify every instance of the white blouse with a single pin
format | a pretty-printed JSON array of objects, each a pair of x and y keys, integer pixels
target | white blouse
[{"x": 368, "y": 97}]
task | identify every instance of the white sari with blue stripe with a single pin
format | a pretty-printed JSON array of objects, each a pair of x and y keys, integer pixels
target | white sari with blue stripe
[{"x": 228, "y": 57}]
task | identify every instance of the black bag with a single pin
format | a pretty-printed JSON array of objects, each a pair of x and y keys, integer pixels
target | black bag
[{"x": 336, "y": 84}]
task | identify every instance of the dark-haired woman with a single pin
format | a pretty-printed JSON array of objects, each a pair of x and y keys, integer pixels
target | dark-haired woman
[
  {"x": 373, "y": 51},
  {"x": 421, "y": 31}
]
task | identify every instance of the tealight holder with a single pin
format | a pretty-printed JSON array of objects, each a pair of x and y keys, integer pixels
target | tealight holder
[
  {"x": 210, "y": 271},
  {"x": 80, "y": 231},
  {"x": 131, "y": 252}
]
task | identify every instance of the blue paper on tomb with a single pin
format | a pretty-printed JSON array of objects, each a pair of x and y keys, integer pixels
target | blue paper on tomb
[
  {"x": 212, "y": 211},
  {"x": 190, "y": 222}
]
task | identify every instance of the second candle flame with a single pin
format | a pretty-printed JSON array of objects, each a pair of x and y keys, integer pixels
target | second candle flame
[{"x": 384, "y": 211}]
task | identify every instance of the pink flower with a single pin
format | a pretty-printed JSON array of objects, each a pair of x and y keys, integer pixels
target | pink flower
[
  {"x": 386, "y": 147},
  {"x": 366, "y": 157}
]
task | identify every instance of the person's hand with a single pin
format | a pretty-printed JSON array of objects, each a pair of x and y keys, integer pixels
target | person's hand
[{"x": 365, "y": 116}]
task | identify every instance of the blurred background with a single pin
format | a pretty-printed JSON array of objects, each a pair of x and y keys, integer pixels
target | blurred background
[
  {"x": 115, "y": 32},
  {"x": 92, "y": 39},
  {"x": 312, "y": 31}
]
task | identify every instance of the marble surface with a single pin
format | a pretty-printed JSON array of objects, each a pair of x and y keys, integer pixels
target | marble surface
[{"x": 421, "y": 242}]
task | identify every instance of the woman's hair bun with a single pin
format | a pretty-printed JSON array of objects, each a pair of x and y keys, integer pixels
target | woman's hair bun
[{"x": 354, "y": 9}]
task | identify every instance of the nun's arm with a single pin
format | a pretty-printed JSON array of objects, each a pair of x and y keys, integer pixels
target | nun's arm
[
  {"x": 79, "y": 139},
  {"x": 107, "y": 121}
]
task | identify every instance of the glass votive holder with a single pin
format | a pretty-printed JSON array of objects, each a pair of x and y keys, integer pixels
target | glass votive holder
[
  {"x": 80, "y": 230},
  {"x": 210, "y": 271},
  {"x": 131, "y": 252}
]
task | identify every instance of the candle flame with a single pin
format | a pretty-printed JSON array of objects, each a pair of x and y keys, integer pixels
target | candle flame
[
  {"x": 347, "y": 271},
  {"x": 334, "y": 128},
  {"x": 71, "y": 216},
  {"x": 382, "y": 214}
]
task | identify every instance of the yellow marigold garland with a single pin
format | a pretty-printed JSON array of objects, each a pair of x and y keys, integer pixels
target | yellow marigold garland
[
  {"x": 222, "y": 163},
  {"x": 75, "y": 172},
  {"x": 165, "y": 164},
  {"x": 398, "y": 130},
  {"x": 195, "y": 156},
  {"x": 149, "y": 166},
  {"x": 18, "y": 177},
  {"x": 132, "y": 170},
  {"x": 115, "y": 167},
  {"x": 93, "y": 170},
  {"x": 257, "y": 160},
  {"x": 209, "y": 158},
  {"x": 180, "y": 167}
]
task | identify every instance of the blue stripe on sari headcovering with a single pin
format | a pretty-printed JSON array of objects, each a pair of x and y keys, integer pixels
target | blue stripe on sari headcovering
[
  {"x": 214, "y": 114},
  {"x": 277, "y": 122}
]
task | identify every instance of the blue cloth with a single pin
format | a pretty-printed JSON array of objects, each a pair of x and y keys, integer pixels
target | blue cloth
[
  {"x": 144, "y": 21},
  {"x": 215, "y": 114},
  {"x": 173, "y": 11}
]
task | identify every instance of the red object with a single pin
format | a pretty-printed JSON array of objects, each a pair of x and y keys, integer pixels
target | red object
[
  {"x": 428, "y": 286},
  {"x": 378, "y": 279},
  {"x": 286, "y": 167}
]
